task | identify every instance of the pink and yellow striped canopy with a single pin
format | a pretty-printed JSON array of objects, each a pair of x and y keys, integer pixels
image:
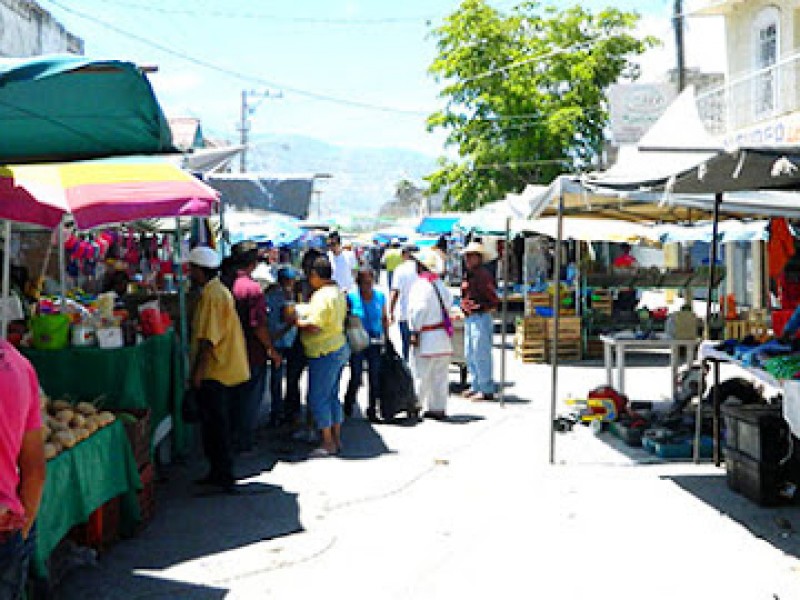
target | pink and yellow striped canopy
[{"x": 101, "y": 192}]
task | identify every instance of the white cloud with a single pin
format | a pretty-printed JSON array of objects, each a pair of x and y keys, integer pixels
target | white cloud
[{"x": 176, "y": 83}]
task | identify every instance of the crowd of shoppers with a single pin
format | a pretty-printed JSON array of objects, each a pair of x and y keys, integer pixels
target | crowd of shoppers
[{"x": 243, "y": 336}]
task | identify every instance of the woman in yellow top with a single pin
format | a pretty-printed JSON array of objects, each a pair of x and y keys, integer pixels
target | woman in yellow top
[{"x": 322, "y": 334}]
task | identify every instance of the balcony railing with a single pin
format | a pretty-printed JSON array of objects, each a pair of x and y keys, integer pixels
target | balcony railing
[{"x": 752, "y": 98}]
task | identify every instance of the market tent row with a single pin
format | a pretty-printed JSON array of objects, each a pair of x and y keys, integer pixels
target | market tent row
[{"x": 694, "y": 193}]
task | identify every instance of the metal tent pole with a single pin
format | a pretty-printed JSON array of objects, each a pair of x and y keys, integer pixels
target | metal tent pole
[
  {"x": 711, "y": 277},
  {"x": 556, "y": 322},
  {"x": 62, "y": 264},
  {"x": 505, "y": 315},
  {"x": 184, "y": 329},
  {"x": 6, "y": 279}
]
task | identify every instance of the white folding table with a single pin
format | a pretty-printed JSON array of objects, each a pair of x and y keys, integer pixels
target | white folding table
[{"x": 613, "y": 347}]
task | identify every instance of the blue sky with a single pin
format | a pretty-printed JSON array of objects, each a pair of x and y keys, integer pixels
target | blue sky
[{"x": 361, "y": 51}]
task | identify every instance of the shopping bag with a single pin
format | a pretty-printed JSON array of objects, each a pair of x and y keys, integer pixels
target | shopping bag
[
  {"x": 49, "y": 332},
  {"x": 357, "y": 336},
  {"x": 397, "y": 392}
]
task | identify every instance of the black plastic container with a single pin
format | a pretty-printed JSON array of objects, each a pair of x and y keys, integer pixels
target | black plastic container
[
  {"x": 757, "y": 431},
  {"x": 756, "y": 481}
]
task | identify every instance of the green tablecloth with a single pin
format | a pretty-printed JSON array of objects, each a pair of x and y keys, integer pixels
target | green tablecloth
[
  {"x": 146, "y": 375},
  {"x": 81, "y": 480}
]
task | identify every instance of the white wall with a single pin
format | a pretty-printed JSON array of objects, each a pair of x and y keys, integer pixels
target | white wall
[{"x": 28, "y": 30}]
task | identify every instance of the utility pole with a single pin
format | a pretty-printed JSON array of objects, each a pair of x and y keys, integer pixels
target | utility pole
[
  {"x": 246, "y": 112},
  {"x": 677, "y": 21}
]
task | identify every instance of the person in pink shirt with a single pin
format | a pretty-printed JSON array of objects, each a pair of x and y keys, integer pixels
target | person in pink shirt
[{"x": 22, "y": 467}]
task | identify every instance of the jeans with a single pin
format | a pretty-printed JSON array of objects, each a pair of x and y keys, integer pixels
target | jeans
[
  {"x": 213, "y": 402},
  {"x": 246, "y": 401},
  {"x": 405, "y": 337},
  {"x": 324, "y": 375},
  {"x": 372, "y": 355},
  {"x": 15, "y": 556},
  {"x": 478, "y": 333},
  {"x": 277, "y": 410},
  {"x": 296, "y": 362}
]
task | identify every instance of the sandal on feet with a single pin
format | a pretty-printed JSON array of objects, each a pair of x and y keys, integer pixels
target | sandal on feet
[
  {"x": 480, "y": 396},
  {"x": 438, "y": 415},
  {"x": 321, "y": 453},
  {"x": 469, "y": 393}
]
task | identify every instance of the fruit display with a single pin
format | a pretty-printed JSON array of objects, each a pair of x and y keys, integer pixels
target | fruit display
[{"x": 65, "y": 424}]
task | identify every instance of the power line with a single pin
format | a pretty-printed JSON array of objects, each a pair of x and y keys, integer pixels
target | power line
[
  {"x": 237, "y": 74},
  {"x": 227, "y": 14}
]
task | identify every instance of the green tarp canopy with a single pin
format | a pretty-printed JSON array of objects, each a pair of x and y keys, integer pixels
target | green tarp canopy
[{"x": 59, "y": 108}]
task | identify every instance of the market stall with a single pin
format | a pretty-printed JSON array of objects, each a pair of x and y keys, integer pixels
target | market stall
[{"x": 100, "y": 119}]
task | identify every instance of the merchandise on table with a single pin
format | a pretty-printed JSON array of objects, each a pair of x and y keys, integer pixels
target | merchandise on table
[{"x": 65, "y": 424}]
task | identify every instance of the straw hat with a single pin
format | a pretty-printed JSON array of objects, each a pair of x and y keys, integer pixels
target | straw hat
[{"x": 475, "y": 248}]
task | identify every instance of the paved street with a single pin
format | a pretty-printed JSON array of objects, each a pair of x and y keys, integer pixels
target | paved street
[{"x": 464, "y": 509}]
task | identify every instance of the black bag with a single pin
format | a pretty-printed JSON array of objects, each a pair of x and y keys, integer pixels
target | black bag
[{"x": 397, "y": 392}]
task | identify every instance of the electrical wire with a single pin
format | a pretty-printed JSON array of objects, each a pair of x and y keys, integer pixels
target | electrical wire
[
  {"x": 237, "y": 74},
  {"x": 247, "y": 15}
]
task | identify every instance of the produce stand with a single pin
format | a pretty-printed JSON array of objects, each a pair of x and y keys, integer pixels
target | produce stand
[
  {"x": 147, "y": 375},
  {"x": 79, "y": 481}
]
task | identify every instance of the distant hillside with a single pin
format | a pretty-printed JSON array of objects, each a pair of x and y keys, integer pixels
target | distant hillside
[{"x": 363, "y": 178}]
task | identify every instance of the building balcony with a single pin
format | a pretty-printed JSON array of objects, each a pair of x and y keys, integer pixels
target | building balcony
[
  {"x": 711, "y": 7},
  {"x": 752, "y": 99}
]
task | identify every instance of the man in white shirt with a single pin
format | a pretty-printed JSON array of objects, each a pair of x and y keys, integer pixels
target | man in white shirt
[
  {"x": 404, "y": 277},
  {"x": 342, "y": 262},
  {"x": 429, "y": 306}
]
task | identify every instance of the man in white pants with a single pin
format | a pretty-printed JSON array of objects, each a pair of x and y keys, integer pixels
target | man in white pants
[{"x": 429, "y": 304}]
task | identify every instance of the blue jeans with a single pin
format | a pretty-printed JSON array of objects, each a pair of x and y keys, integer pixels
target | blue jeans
[
  {"x": 324, "y": 375},
  {"x": 478, "y": 334},
  {"x": 15, "y": 556},
  {"x": 246, "y": 402},
  {"x": 405, "y": 337},
  {"x": 276, "y": 408},
  {"x": 372, "y": 355}
]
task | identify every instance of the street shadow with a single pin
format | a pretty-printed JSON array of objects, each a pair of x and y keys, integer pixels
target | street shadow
[
  {"x": 362, "y": 441},
  {"x": 189, "y": 524},
  {"x": 779, "y": 526},
  {"x": 462, "y": 419},
  {"x": 78, "y": 587}
]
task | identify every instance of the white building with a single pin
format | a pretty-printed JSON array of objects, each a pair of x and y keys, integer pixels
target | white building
[
  {"x": 26, "y": 29},
  {"x": 760, "y": 101}
]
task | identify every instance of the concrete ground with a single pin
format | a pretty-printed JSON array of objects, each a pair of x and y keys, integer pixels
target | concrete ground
[{"x": 469, "y": 508}]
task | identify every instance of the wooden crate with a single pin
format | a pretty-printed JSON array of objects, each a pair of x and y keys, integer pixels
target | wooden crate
[
  {"x": 739, "y": 329},
  {"x": 540, "y": 299},
  {"x": 540, "y": 328},
  {"x": 602, "y": 302},
  {"x": 542, "y": 350}
]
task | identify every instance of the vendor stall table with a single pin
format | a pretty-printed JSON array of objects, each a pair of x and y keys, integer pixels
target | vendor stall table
[
  {"x": 612, "y": 346},
  {"x": 81, "y": 480},
  {"x": 141, "y": 376}
]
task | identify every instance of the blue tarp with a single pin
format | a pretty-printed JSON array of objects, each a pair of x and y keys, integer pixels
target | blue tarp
[{"x": 437, "y": 225}]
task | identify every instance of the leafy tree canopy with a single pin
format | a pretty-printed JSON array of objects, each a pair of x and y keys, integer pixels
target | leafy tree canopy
[{"x": 525, "y": 93}]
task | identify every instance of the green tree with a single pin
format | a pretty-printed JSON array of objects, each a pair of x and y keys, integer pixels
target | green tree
[{"x": 525, "y": 93}]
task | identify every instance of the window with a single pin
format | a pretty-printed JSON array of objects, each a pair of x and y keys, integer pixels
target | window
[{"x": 766, "y": 44}]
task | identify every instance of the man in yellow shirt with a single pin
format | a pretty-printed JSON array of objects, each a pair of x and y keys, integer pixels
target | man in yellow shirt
[{"x": 219, "y": 362}]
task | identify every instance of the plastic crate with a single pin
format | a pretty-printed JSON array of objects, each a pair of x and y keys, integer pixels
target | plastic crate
[
  {"x": 147, "y": 495},
  {"x": 632, "y": 436},
  {"x": 756, "y": 430},
  {"x": 673, "y": 449},
  {"x": 102, "y": 528},
  {"x": 139, "y": 434},
  {"x": 756, "y": 481}
]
